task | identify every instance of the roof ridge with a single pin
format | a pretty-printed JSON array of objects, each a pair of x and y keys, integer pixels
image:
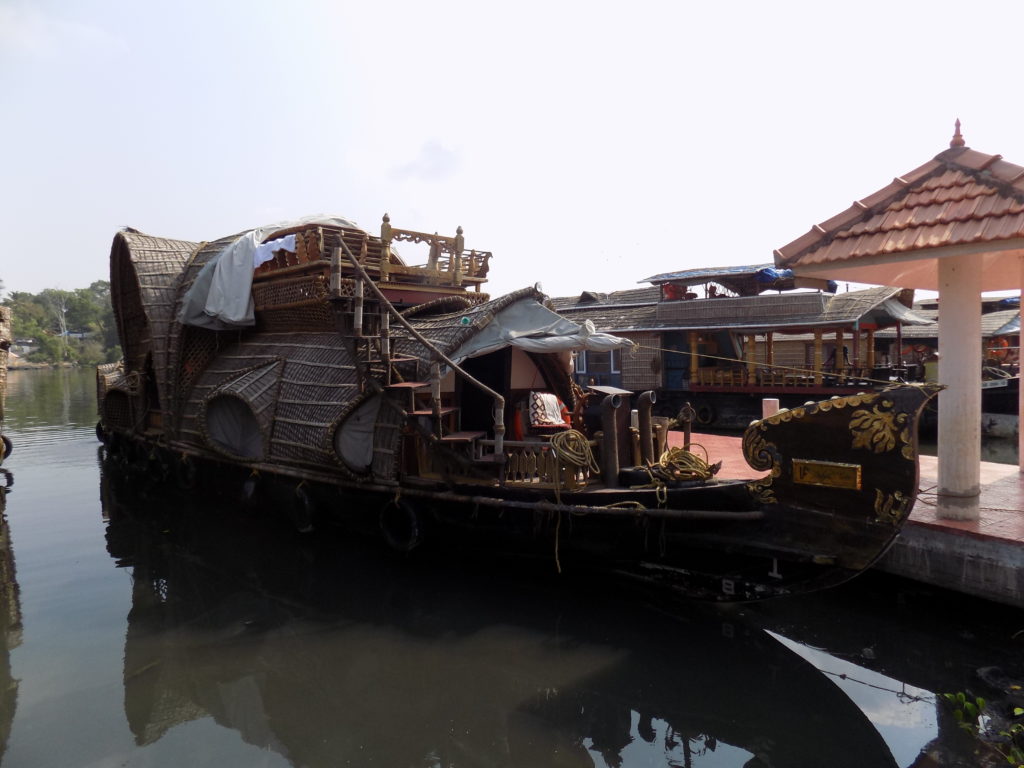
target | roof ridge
[{"x": 991, "y": 171}]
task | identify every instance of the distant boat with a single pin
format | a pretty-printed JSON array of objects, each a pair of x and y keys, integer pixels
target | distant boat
[{"x": 723, "y": 339}]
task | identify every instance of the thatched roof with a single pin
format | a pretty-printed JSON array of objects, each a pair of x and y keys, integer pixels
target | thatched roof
[
  {"x": 144, "y": 274},
  {"x": 628, "y": 311}
]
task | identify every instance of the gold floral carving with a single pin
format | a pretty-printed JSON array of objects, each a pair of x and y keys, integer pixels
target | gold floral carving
[
  {"x": 891, "y": 507},
  {"x": 880, "y": 431},
  {"x": 762, "y": 491},
  {"x": 757, "y": 451}
]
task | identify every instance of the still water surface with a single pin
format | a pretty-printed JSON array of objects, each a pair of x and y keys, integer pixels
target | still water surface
[{"x": 143, "y": 629}]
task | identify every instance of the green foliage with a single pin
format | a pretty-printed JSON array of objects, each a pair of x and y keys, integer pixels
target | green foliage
[
  {"x": 969, "y": 715},
  {"x": 67, "y": 326}
]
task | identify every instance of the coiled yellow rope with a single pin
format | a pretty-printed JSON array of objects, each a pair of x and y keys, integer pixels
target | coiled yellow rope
[
  {"x": 573, "y": 447},
  {"x": 679, "y": 464}
]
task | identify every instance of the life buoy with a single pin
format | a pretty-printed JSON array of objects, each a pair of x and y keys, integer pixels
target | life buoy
[
  {"x": 400, "y": 524},
  {"x": 186, "y": 473},
  {"x": 249, "y": 491},
  {"x": 705, "y": 415},
  {"x": 998, "y": 349},
  {"x": 8, "y": 447},
  {"x": 916, "y": 351},
  {"x": 302, "y": 510}
]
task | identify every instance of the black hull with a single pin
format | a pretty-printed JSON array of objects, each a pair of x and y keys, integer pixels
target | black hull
[{"x": 716, "y": 540}]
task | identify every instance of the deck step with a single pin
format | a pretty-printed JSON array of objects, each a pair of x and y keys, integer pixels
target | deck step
[
  {"x": 462, "y": 437},
  {"x": 429, "y": 412},
  {"x": 409, "y": 385}
]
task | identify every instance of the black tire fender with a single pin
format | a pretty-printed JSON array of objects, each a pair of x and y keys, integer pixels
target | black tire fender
[
  {"x": 186, "y": 473},
  {"x": 705, "y": 415},
  {"x": 400, "y": 523},
  {"x": 303, "y": 509}
]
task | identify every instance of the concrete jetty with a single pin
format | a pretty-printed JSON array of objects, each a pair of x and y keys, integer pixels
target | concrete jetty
[{"x": 983, "y": 557}]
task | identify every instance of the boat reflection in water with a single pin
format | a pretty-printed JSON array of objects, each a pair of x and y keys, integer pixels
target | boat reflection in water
[
  {"x": 10, "y": 618},
  {"x": 329, "y": 654}
]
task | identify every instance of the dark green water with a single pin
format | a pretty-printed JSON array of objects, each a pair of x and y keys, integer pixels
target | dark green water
[{"x": 143, "y": 628}]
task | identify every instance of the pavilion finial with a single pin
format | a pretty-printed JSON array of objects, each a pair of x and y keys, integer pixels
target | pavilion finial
[{"x": 958, "y": 139}]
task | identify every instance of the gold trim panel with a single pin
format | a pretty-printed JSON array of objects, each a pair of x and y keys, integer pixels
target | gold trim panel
[{"x": 830, "y": 474}]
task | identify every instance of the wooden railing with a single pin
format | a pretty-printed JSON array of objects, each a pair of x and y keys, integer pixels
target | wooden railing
[
  {"x": 536, "y": 464},
  {"x": 448, "y": 261},
  {"x": 780, "y": 376}
]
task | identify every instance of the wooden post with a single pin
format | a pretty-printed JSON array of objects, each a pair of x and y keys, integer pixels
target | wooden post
[
  {"x": 694, "y": 362},
  {"x": 357, "y": 310},
  {"x": 840, "y": 356},
  {"x": 385, "y": 247},
  {"x": 458, "y": 247},
  {"x": 336, "y": 273},
  {"x": 751, "y": 358},
  {"x": 817, "y": 357},
  {"x": 856, "y": 348},
  {"x": 769, "y": 350},
  {"x": 435, "y": 395},
  {"x": 871, "y": 351},
  {"x": 385, "y": 343}
]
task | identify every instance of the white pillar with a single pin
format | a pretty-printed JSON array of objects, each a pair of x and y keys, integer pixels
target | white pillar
[
  {"x": 1020, "y": 401},
  {"x": 960, "y": 403}
]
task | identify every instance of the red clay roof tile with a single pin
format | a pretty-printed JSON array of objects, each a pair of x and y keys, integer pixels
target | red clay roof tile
[{"x": 960, "y": 196}]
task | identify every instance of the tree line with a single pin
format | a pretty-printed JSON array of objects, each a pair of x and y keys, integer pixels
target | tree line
[{"x": 66, "y": 327}]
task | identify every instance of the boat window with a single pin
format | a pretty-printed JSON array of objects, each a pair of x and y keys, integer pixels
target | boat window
[
  {"x": 590, "y": 361},
  {"x": 232, "y": 427},
  {"x": 353, "y": 439}
]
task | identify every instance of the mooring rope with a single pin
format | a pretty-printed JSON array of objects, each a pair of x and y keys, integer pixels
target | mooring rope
[{"x": 573, "y": 447}]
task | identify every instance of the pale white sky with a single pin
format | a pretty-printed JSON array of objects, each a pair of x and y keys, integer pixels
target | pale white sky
[{"x": 587, "y": 144}]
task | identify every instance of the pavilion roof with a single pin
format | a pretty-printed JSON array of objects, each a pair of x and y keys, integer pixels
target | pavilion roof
[{"x": 961, "y": 201}]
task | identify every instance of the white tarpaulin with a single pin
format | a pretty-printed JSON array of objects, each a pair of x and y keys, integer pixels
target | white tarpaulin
[
  {"x": 221, "y": 296},
  {"x": 533, "y": 327}
]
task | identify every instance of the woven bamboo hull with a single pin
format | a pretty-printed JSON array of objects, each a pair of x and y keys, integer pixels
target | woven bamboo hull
[{"x": 301, "y": 405}]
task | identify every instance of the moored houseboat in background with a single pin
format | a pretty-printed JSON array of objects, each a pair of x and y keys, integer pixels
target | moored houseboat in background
[
  {"x": 999, "y": 370},
  {"x": 307, "y": 364},
  {"x": 5, "y": 345},
  {"x": 723, "y": 339}
]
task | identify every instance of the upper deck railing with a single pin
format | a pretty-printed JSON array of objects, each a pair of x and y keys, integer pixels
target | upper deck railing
[
  {"x": 449, "y": 264},
  {"x": 448, "y": 261}
]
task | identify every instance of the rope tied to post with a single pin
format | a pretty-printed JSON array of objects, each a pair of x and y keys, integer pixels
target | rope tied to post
[{"x": 678, "y": 465}]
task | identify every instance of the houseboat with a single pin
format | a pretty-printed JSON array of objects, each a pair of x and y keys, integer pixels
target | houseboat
[
  {"x": 309, "y": 364},
  {"x": 1000, "y": 368},
  {"x": 723, "y": 339}
]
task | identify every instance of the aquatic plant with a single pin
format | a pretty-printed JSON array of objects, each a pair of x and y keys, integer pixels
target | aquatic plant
[{"x": 971, "y": 715}]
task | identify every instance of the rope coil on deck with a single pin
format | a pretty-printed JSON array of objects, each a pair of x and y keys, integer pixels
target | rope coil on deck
[
  {"x": 680, "y": 464},
  {"x": 573, "y": 447}
]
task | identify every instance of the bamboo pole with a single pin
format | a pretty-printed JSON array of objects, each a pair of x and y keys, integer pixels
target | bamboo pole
[{"x": 499, "y": 400}]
